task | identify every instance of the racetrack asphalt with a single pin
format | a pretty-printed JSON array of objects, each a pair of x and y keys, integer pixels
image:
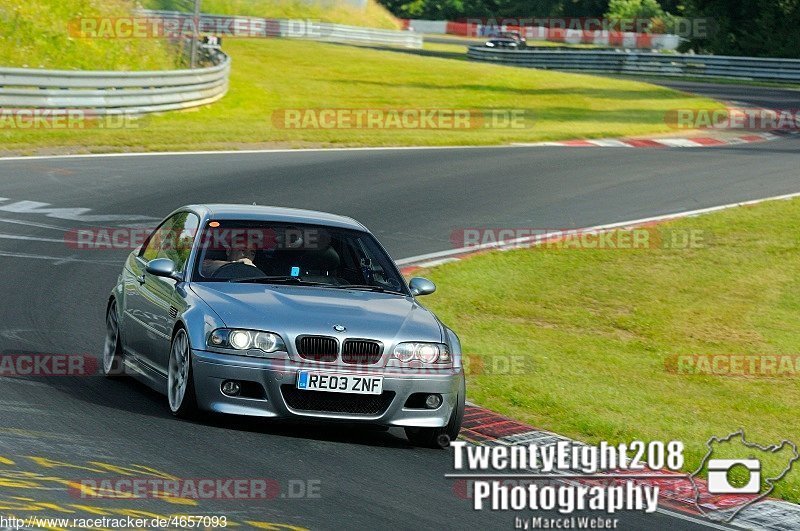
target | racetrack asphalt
[{"x": 54, "y": 301}]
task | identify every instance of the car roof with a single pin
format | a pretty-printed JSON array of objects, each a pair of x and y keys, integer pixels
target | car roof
[{"x": 224, "y": 211}]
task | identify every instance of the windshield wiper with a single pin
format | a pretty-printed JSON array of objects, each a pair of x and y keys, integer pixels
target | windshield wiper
[
  {"x": 369, "y": 287},
  {"x": 277, "y": 280},
  {"x": 298, "y": 280}
]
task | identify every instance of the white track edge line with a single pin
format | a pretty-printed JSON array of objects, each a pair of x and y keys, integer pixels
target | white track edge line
[
  {"x": 247, "y": 152},
  {"x": 539, "y": 237},
  {"x": 766, "y": 136}
]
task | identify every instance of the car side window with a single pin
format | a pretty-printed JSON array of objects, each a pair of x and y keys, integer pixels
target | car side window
[
  {"x": 153, "y": 244},
  {"x": 173, "y": 239}
]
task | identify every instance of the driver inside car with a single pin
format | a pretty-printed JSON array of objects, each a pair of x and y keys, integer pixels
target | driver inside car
[{"x": 241, "y": 255}]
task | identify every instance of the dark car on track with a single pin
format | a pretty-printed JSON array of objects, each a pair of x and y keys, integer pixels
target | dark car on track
[
  {"x": 498, "y": 42},
  {"x": 513, "y": 35}
]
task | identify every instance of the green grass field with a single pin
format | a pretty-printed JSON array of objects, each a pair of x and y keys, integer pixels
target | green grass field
[
  {"x": 274, "y": 74},
  {"x": 460, "y": 49},
  {"x": 35, "y": 34},
  {"x": 595, "y": 329},
  {"x": 374, "y": 15}
]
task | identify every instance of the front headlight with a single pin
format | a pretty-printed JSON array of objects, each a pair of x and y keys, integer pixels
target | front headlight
[
  {"x": 245, "y": 340},
  {"x": 428, "y": 353}
]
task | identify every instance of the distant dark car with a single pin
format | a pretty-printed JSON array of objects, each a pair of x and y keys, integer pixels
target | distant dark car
[
  {"x": 513, "y": 35},
  {"x": 498, "y": 42}
]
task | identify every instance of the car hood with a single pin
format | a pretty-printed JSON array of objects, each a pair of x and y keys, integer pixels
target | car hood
[{"x": 297, "y": 310}]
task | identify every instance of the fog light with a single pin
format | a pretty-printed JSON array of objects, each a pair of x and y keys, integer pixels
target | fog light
[
  {"x": 231, "y": 388},
  {"x": 433, "y": 401}
]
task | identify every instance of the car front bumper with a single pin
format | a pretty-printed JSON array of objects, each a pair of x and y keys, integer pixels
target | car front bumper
[{"x": 211, "y": 369}]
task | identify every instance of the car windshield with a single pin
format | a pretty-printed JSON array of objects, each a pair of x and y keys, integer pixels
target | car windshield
[{"x": 272, "y": 252}]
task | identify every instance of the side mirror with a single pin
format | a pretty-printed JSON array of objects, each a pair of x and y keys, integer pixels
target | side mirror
[
  {"x": 421, "y": 286},
  {"x": 163, "y": 267}
]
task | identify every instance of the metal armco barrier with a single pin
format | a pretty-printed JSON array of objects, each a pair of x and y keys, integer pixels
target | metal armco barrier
[
  {"x": 241, "y": 26},
  {"x": 353, "y": 34},
  {"x": 610, "y": 62},
  {"x": 110, "y": 92}
]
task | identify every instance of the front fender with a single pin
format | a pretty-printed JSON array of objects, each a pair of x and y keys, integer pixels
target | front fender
[
  {"x": 455, "y": 346},
  {"x": 199, "y": 320}
]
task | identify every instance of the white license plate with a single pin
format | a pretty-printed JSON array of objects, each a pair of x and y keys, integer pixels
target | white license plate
[{"x": 340, "y": 383}]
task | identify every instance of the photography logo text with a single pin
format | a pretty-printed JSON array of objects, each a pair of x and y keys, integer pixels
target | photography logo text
[{"x": 563, "y": 477}]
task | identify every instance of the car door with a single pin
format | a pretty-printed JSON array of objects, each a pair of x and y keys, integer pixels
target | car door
[
  {"x": 156, "y": 302},
  {"x": 135, "y": 321}
]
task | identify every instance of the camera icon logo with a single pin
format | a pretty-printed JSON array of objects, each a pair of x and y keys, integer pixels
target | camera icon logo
[
  {"x": 724, "y": 487},
  {"x": 719, "y": 476}
]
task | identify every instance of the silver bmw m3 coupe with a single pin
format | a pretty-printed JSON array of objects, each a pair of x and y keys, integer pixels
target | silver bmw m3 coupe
[{"x": 284, "y": 313}]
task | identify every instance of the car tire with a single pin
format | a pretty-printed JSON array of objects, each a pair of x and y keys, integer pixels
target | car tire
[
  {"x": 433, "y": 437},
  {"x": 181, "y": 396},
  {"x": 113, "y": 361}
]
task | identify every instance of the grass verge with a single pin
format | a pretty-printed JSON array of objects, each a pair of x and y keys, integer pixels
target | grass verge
[
  {"x": 372, "y": 15},
  {"x": 35, "y": 34},
  {"x": 596, "y": 329},
  {"x": 273, "y": 74}
]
